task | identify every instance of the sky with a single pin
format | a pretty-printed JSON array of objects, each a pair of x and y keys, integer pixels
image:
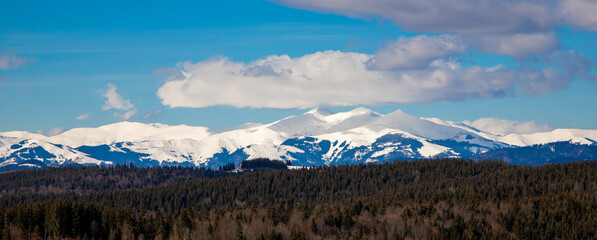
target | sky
[{"x": 515, "y": 66}]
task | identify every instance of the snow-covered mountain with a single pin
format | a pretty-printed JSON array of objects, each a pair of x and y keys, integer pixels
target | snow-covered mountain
[{"x": 317, "y": 137}]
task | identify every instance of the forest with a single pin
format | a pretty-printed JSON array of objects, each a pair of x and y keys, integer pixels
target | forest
[{"x": 423, "y": 199}]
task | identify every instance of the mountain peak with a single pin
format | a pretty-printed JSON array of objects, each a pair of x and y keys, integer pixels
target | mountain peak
[
  {"x": 350, "y": 119},
  {"x": 320, "y": 111},
  {"x": 361, "y": 110},
  {"x": 399, "y": 112},
  {"x": 316, "y": 137}
]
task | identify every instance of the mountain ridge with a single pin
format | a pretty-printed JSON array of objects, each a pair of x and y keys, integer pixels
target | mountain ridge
[{"x": 316, "y": 137}]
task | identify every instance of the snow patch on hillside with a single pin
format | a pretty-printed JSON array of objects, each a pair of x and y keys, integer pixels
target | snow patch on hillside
[{"x": 360, "y": 133}]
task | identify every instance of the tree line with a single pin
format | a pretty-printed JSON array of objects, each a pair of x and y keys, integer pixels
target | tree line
[{"x": 426, "y": 199}]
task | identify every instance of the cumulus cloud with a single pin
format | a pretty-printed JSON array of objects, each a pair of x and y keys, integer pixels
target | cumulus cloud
[
  {"x": 333, "y": 78},
  {"x": 417, "y": 52},
  {"x": 116, "y": 101},
  {"x": 579, "y": 13},
  {"x": 561, "y": 68},
  {"x": 518, "y": 28},
  {"x": 9, "y": 60},
  {"x": 52, "y": 131},
  {"x": 461, "y": 16},
  {"x": 83, "y": 116},
  {"x": 522, "y": 45},
  {"x": 337, "y": 78},
  {"x": 504, "y": 127}
]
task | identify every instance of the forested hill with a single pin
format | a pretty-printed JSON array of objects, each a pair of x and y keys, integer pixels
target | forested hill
[
  {"x": 84, "y": 179},
  {"x": 556, "y": 152},
  {"x": 444, "y": 198}
]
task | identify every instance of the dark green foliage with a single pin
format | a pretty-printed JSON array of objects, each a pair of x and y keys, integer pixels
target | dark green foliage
[
  {"x": 436, "y": 180},
  {"x": 264, "y": 163},
  {"x": 227, "y": 167},
  {"x": 427, "y": 199},
  {"x": 556, "y": 152},
  {"x": 84, "y": 179},
  {"x": 276, "y": 236},
  {"x": 279, "y": 213}
]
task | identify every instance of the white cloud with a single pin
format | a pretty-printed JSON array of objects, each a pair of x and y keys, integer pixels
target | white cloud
[
  {"x": 504, "y": 127},
  {"x": 337, "y": 78},
  {"x": 114, "y": 100},
  {"x": 460, "y": 16},
  {"x": 417, "y": 52},
  {"x": 83, "y": 116},
  {"x": 127, "y": 115},
  {"x": 519, "y": 44},
  {"x": 579, "y": 13},
  {"x": 518, "y": 28},
  {"x": 9, "y": 60},
  {"x": 331, "y": 78},
  {"x": 52, "y": 131}
]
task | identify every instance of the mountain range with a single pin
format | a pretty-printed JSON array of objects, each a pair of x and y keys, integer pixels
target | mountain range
[{"x": 317, "y": 137}]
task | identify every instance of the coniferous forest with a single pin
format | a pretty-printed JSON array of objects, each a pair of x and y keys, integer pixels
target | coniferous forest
[{"x": 425, "y": 199}]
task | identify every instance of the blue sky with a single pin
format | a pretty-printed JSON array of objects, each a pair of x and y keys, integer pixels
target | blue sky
[{"x": 79, "y": 64}]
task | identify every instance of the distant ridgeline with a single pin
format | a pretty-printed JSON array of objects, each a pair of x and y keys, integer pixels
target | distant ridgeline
[
  {"x": 315, "y": 138},
  {"x": 84, "y": 179},
  {"x": 556, "y": 152}
]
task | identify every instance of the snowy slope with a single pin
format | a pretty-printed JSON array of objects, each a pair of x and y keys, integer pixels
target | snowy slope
[
  {"x": 321, "y": 121},
  {"x": 583, "y": 136},
  {"x": 128, "y": 132},
  {"x": 317, "y": 137},
  {"x": 39, "y": 152},
  {"x": 557, "y": 135},
  {"x": 462, "y": 126}
]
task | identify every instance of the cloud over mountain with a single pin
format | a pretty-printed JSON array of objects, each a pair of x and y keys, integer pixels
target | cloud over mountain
[
  {"x": 116, "y": 101},
  {"x": 336, "y": 78},
  {"x": 331, "y": 78},
  {"x": 416, "y": 52},
  {"x": 504, "y": 127},
  {"x": 420, "y": 69},
  {"x": 501, "y": 27},
  {"x": 52, "y": 131}
]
